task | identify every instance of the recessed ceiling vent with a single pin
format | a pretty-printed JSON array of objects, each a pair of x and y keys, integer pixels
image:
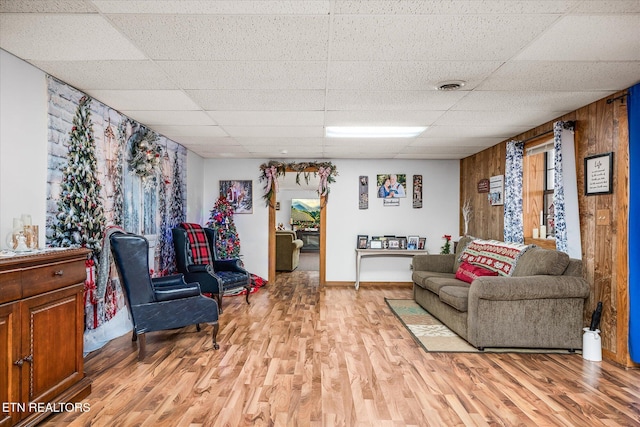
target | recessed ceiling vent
[{"x": 451, "y": 85}]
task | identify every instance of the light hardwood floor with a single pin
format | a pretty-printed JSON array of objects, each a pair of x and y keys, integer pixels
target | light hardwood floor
[{"x": 304, "y": 355}]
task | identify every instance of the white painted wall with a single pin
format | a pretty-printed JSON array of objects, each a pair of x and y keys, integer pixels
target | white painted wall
[
  {"x": 23, "y": 168},
  {"x": 195, "y": 189},
  {"x": 345, "y": 220},
  {"x": 252, "y": 228},
  {"x": 23, "y": 144}
]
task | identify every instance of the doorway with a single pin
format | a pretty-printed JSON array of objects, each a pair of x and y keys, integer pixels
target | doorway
[{"x": 312, "y": 259}]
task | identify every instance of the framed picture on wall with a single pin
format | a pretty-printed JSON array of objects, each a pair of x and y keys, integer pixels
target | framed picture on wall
[
  {"x": 391, "y": 186},
  {"x": 239, "y": 194},
  {"x": 598, "y": 174}
]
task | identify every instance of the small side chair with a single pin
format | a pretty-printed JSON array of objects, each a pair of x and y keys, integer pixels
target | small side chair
[
  {"x": 162, "y": 303},
  {"x": 197, "y": 259}
]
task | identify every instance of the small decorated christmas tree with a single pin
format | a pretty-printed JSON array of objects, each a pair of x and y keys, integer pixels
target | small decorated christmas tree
[
  {"x": 221, "y": 220},
  {"x": 80, "y": 220}
]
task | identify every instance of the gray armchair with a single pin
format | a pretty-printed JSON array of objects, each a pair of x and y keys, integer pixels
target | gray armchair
[
  {"x": 160, "y": 303},
  {"x": 287, "y": 250}
]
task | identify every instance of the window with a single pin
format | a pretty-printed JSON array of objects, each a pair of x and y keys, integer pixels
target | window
[{"x": 547, "y": 194}]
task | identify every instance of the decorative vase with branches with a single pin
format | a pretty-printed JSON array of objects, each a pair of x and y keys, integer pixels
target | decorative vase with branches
[{"x": 467, "y": 213}]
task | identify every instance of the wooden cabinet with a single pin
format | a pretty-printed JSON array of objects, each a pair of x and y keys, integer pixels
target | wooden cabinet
[{"x": 41, "y": 335}]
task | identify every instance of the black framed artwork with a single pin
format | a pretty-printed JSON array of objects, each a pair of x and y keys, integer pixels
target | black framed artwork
[{"x": 598, "y": 174}]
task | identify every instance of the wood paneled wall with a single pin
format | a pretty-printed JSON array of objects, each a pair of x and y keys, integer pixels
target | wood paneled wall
[{"x": 600, "y": 128}]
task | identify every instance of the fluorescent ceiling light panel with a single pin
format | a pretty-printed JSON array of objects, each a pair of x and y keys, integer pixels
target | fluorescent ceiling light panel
[{"x": 373, "y": 131}]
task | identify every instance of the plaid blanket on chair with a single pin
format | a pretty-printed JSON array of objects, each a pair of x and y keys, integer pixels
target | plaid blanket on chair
[{"x": 199, "y": 243}]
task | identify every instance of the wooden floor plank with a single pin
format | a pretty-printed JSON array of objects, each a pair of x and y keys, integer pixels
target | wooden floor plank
[{"x": 305, "y": 355}]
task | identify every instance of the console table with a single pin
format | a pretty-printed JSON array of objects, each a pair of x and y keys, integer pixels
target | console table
[
  {"x": 41, "y": 334},
  {"x": 310, "y": 240},
  {"x": 360, "y": 253}
]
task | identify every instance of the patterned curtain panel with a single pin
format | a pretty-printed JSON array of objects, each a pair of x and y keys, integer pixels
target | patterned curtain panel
[
  {"x": 565, "y": 192},
  {"x": 513, "y": 223}
]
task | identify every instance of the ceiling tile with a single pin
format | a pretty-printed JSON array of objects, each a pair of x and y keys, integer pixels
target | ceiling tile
[
  {"x": 47, "y": 6},
  {"x": 562, "y": 102},
  {"x": 502, "y": 132},
  {"x": 608, "y": 7},
  {"x": 588, "y": 38},
  {"x": 275, "y": 131},
  {"x": 280, "y": 142},
  {"x": 147, "y": 100},
  {"x": 181, "y": 118},
  {"x": 392, "y": 100},
  {"x": 450, "y": 37},
  {"x": 108, "y": 74},
  {"x": 562, "y": 76},
  {"x": 64, "y": 38},
  {"x": 526, "y": 118},
  {"x": 381, "y": 118},
  {"x": 200, "y": 131},
  {"x": 452, "y": 7},
  {"x": 227, "y": 37},
  {"x": 456, "y": 141},
  {"x": 220, "y": 7},
  {"x": 268, "y": 118},
  {"x": 406, "y": 75},
  {"x": 249, "y": 100},
  {"x": 247, "y": 74}
]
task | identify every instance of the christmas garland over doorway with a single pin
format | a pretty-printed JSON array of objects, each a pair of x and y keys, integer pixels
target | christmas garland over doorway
[{"x": 274, "y": 169}]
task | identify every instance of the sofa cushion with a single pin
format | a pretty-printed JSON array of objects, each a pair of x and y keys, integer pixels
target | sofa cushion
[
  {"x": 420, "y": 277},
  {"x": 455, "y": 296},
  {"x": 538, "y": 261},
  {"x": 497, "y": 256},
  {"x": 434, "y": 284},
  {"x": 468, "y": 272}
]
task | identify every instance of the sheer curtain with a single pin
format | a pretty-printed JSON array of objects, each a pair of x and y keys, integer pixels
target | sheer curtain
[
  {"x": 565, "y": 191},
  {"x": 513, "y": 223}
]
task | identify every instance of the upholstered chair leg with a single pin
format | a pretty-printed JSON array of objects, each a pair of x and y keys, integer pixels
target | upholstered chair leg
[
  {"x": 198, "y": 327},
  {"x": 214, "y": 335},
  {"x": 142, "y": 346},
  {"x": 134, "y": 336},
  {"x": 219, "y": 299},
  {"x": 248, "y": 288}
]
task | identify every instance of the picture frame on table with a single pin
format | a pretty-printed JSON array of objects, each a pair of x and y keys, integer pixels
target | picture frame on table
[
  {"x": 362, "y": 241},
  {"x": 376, "y": 244},
  {"x": 403, "y": 242},
  {"x": 412, "y": 242},
  {"x": 422, "y": 242},
  {"x": 393, "y": 243}
]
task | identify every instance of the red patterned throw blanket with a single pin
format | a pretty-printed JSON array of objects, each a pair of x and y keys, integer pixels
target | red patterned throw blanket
[
  {"x": 198, "y": 242},
  {"x": 497, "y": 256}
]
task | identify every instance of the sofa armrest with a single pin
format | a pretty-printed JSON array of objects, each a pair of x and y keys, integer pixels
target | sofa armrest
[
  {"x": 297, "y": 244},
  {"x": 438, "y": 263},
  {"x": 528, "y": 288}
]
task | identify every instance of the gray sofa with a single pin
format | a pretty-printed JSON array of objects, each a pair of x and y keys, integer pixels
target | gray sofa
[
  {"x": 539, "y": 306},
  {"x": 287, "y": 250}
]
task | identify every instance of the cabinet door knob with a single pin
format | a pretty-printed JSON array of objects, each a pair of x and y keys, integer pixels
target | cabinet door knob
[
  {"x": 19, "y": 362},
  {"x": 58, "y": 273}
]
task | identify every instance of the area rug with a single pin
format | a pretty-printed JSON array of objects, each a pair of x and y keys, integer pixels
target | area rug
[{"x": 433, "y": 336}]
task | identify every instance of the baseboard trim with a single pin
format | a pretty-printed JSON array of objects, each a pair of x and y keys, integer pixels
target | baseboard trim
[{"x": 369, "y": 284}]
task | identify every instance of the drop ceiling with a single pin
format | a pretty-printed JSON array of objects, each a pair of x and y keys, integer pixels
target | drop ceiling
[{"x": 262, "y": 79}]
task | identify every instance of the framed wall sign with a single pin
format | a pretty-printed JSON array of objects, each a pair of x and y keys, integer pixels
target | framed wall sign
[{"x": 598, "y": 174}]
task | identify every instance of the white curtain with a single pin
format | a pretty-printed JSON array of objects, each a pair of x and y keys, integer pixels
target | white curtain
[{"x": 565, "y": 192}]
